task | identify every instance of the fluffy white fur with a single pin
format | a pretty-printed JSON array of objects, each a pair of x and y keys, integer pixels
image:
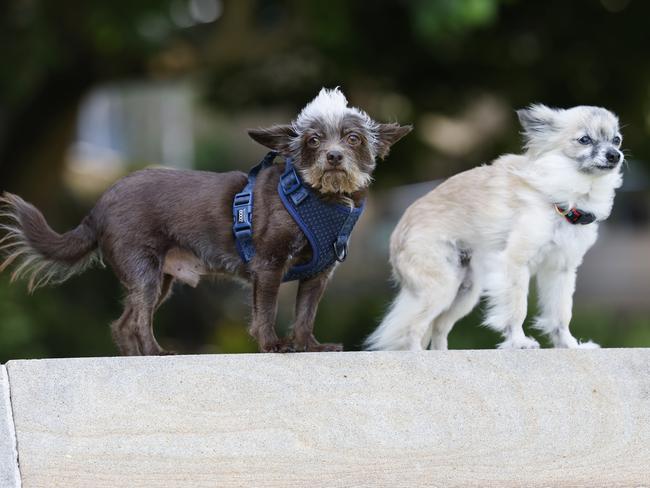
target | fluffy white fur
[{"x": 487, "y": 231}]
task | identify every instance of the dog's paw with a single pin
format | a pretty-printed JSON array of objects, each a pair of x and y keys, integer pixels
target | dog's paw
[
  {"x": 326, "y": 347},
  {"x": 520, "y": 343},
  {"x": 587, "y": 345},
  {"x": 280, "y": 346}
]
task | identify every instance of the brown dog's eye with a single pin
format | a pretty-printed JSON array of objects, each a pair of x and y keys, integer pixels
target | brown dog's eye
[
  {"x": 353, "y": 139},
  {"x": 313, "y": 141}
]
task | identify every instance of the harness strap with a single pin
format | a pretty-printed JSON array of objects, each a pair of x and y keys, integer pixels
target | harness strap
[
  {"x": 292, "y": 186},
  {"x": 327, "y": 226},
  {"x": 341, "y": 242},
  {"x": 242, "y": 211},
  {"x": 329, "y": 238}
]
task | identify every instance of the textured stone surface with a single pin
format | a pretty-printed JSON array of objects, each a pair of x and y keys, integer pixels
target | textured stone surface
[
  {"x": 457, "y": 418},
  {"x": 9, "y": 477}
]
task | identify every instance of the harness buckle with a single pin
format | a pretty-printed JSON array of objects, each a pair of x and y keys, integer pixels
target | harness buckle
[
  {"x": 290, "y": 182},
  {"x": 340, "y": 250},
  {"x": 299, "y": 196},
  {"x": 242, "y": 212},
  {"x": 245, "y": 233},
  {"x": 242, "y": 198}
]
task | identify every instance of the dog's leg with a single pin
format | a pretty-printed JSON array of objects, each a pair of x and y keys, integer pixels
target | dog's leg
[
  {"x": 555, "y": 296},
  {"x": 408, "y": 323},
  {"x": 309, "y": 295},
  {"x": 124, "y": 335},
  {"x": 133, "y": 331},
  {"x": 147, "y": 288},
  {"x": 145, "y": 300},
  {"x": 508, "y": 302},
  {"x": 465, "y": 301},
  {"x": 407, "y": 326},
  {"x": 266, "y": 285}
]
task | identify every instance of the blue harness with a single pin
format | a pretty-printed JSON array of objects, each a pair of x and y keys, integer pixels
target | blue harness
[{"x": 327, "y": 226}]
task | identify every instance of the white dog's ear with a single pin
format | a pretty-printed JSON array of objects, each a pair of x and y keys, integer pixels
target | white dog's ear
[{"x": 537, "y": 120}]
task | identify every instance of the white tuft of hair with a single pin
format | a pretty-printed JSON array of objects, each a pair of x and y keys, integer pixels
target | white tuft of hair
[{"x": 329, "y": 106}]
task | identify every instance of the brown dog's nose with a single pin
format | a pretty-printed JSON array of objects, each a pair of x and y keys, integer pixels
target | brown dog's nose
[{"x": 334, "y": 157}]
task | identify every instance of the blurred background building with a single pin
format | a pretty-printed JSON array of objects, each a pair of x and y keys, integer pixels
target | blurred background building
[{"x": 91, "y": 90}]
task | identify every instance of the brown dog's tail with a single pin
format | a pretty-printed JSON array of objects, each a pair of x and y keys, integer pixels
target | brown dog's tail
[{"x": 41, "y": 255}]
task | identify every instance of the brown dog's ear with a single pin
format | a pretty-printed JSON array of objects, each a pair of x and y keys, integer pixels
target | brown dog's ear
[
  {"x": 277, "y": 137},
  {"x": 389, "y": 134}
]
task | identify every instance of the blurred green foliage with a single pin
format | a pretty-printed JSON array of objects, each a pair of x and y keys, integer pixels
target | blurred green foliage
[
  {"x": 435, "y": 21},
  {"x": 432, "y": 55}
]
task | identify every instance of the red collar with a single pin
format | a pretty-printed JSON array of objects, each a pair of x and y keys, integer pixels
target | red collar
[{"x": 575, "y": 215}]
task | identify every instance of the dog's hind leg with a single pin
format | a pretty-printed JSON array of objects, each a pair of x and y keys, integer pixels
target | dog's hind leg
[
  {"x": 133, "y": 331},
  {"x": 429, "y": 287},
  {"x": 124, "y": 335},
  {"x": 147, "y": 289},
  {"x": 407, "y": 326},
  {"x": 467, "y": 298},
  {"x": 145, "y": 301}
]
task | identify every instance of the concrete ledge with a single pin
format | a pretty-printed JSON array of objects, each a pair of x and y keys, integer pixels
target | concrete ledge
[
  {"x": 9, "y": 475},
  {"x": 457, "y": 418}
]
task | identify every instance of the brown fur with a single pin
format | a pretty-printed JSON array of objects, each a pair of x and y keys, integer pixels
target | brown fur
[{"x": 156, "y": 226}]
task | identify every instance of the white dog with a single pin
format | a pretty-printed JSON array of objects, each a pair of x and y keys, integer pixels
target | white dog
[{"x": 487, "y": 231}]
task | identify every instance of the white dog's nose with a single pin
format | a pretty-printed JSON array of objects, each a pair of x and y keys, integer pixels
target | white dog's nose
[{"x": 613, "y": 156}]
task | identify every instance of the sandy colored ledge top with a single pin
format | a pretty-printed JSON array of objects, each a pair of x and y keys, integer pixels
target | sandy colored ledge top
[{"x": 458, "y": 418}]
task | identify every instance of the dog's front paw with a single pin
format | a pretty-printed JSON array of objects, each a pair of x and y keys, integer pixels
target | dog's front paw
[
  {"x": 587, "y": 345},
  {"x": 520, "y": 343}
]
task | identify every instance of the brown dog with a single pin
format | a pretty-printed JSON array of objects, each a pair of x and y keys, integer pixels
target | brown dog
[{"x": 158, "y": 225}]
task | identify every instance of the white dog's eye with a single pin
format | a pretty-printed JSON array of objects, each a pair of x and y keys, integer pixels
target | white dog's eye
[
  {"x": 584, "y": 140},
  {"x": 313, "y": 141},
  {"x": 616, "y": 140}
]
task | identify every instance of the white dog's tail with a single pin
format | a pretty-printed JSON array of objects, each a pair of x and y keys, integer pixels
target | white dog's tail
[{"x": 396, "y": 330}]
